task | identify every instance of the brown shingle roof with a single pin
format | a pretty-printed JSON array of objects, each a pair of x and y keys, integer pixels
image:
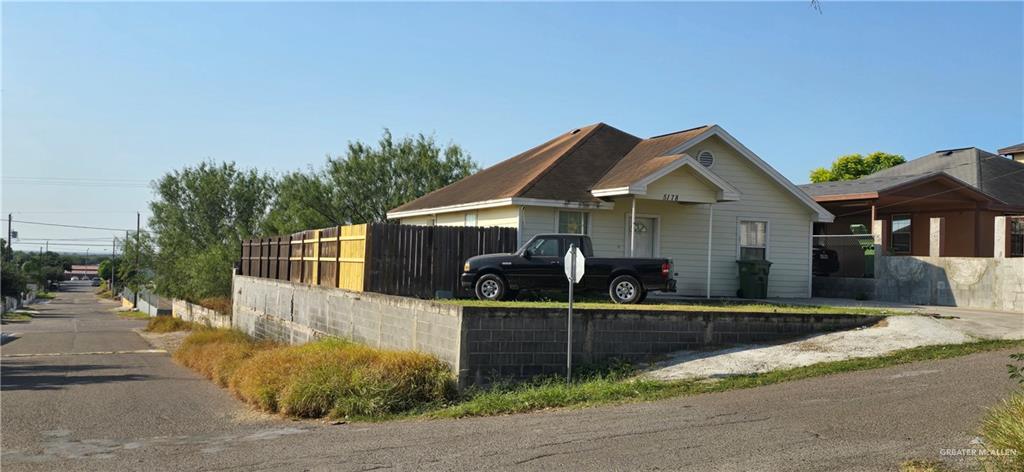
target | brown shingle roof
[
  {"x": 564, "y": 168},
  {"x": 504, "y": 179},
  {"x": 647, "y": 157}
]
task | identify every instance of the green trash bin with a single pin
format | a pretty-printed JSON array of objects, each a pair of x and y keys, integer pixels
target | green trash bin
[{"x": 753, "y": 278}]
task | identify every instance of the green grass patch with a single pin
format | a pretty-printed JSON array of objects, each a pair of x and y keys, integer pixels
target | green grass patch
[
  {"x": 45, "y": 295},
  {"x": 16, "y": 316},
  {"x": 618, "y": 388},
  {"x": 676, "y": 305},
  {"x": 1003, "y": 433},
  {"x": 134, "y": 314},
  {"x": 329, "y": 377},
  {"x": 167, "y": 324}
]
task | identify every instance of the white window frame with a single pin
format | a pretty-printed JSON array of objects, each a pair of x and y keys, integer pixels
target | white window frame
[
  {"x": 588, "y": 223},
  {"x": 767, "y": 235},
  {"x": 657, "y": 233},
  {"x": 476, "y": 219}
]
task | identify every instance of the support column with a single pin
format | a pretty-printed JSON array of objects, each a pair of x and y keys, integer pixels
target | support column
[
  {"x": 999, "y": 237},
  {"x": 632, "y": 228},
  {"x": 936, "y": 237},
  {"x": 877, "y": 234},
  {"x": 711, "y": 220}
]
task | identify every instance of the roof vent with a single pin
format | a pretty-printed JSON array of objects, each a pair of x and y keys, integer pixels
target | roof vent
[
  {"x": 706, "y": 159},
  {"x": 577, "y": 130}
]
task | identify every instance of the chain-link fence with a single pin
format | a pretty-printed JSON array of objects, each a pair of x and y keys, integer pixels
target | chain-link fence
[{"x": 149, "y": 302}]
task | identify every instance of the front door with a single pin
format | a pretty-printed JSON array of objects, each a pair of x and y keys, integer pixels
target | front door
[{"x": 644, "y": 230}]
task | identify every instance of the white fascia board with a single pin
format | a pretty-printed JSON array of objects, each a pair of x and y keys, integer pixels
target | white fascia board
[
  {"x": 500, "y": 203},
  {"x": 614, "y": 192},
  {"x": 562, "y": 203},
  {"x": 451, "y": 208},
  {"x": 820, "y": 213}
]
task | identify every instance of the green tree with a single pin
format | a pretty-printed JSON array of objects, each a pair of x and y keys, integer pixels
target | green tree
[
  {"x": 363, "y": 185},
  {"x": 104, "y": 269},
  {"x": 855, "y": 166},
  {"x": 12, "y": 279},
  {"x": 200, "y": 216},
  {"x": 135, "y": 270}
]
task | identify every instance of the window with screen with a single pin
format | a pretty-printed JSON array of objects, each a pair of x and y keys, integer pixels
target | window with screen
[
  {"x": 753, "y": 240},
  {"x": 900, "y": 235},
  {"x": 470, "y": 219},
  {"x": 573, "y": 222}
]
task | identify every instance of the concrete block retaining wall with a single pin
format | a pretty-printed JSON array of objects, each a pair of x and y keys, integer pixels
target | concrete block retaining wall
[
  {"x": 295, "y": 313},
  {"x": 198, "y": 314},
  {"x": 483, "y": 343}
]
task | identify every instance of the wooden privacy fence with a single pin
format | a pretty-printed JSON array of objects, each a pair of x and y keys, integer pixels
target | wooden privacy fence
[
  {"x": 418, "y": 261},
  {"x": 331, "y": 257}
]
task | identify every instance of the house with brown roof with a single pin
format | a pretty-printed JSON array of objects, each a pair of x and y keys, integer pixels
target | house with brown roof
[
  {"x": 966, "y": 188},
  {"x": 697, "y": 196}
]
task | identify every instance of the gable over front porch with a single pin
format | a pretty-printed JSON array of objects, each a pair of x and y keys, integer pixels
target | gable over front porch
[{"x": 667, "y": 211}]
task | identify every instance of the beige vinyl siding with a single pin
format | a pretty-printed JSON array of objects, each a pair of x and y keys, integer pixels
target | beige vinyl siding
[
  {"x": 425, "y": 220},
  {"x": 683, "y": 230},
  {"x": 762, "y": 199},
  {"x": 684, "y": 184},
  {"x": 537, "y": 220},
  {"x": 506, "y": 216}
]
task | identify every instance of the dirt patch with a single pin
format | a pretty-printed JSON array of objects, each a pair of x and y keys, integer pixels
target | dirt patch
[{"x": 166, "y": 341}]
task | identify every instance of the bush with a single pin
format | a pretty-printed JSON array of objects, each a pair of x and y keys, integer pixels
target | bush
[
  {"x": 167, "y": 324},
  {"x": 1003, "y": 431},
  {"x": 221, "y": 305},
  {"x": 330, "y": 377}
]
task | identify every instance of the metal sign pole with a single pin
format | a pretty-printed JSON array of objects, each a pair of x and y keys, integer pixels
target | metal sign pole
[{"x": 568, "y": 350}]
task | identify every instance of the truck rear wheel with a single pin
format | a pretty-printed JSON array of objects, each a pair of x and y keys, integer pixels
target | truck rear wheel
[
  {"x": 625, "y": 289},
  {"x": 490, "y": 287}
]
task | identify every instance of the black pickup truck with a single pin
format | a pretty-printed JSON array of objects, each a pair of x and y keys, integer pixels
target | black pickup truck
[{"x": 538, "y": 265}]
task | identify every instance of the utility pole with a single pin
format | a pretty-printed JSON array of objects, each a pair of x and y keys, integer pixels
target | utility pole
[
  {"x": 47, "y": 245},
  {"x": 138, "y": 244},
  {"x": 9, "y": 246},
  {"x": 113, "y": 252}
]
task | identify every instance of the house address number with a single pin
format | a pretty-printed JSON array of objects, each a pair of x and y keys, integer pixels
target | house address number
[{"x": 670, "y": 197}]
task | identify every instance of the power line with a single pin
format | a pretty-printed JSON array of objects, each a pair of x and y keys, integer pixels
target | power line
[
  {"x": 68, "y": 226},
  {"x": 61, "y": 244}
]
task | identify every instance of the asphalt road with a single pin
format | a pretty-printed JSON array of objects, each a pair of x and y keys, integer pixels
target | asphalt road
[{"x": 140, "y": 411}]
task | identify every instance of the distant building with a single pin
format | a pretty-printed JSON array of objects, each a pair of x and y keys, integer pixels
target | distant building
[
  {"x": 1015, "y": 152},
  {"x": 80, "y": 270}
]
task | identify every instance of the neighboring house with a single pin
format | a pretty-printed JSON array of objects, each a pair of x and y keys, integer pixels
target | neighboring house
[
  {"x": 1015, "y": 152},
  {"x": 696, "y": 196},
  {"x": 967, "y": 187}
]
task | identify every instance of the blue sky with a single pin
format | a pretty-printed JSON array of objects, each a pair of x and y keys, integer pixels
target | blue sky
[{"x": 130, "y": 91}]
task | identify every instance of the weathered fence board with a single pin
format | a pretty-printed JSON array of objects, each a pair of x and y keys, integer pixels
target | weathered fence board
[{"x": 419, "y": 261}]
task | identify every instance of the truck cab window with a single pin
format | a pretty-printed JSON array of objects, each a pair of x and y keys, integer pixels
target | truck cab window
[{"x": 544, "y": 247}]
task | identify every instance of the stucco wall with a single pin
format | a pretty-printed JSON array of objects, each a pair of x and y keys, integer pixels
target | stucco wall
[{"x": 970, "y": 282}]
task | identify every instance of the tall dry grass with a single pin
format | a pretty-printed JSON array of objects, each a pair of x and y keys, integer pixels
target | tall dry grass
[
  {"x": 167, "y": 324},
  {"x": 1003, "y": 432},
  {"x": 329, "y": 377}
]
